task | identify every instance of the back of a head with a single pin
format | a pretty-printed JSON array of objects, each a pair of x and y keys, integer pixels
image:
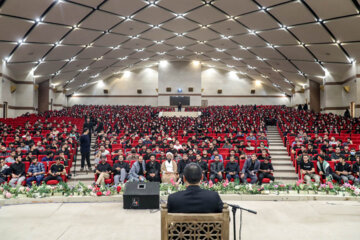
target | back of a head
[{"x": 193, "y": 173}]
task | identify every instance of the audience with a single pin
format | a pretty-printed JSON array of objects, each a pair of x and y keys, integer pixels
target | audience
[
  {"x": 169, "y": 169},
  {"x": 56, "y": 171},
  {"x": 121, "y": 170},
  {"x": 36, "y": 172},
  {"x": 138, "y": 171},
  {"x": 216, "y": 169},
  {"x": 250, "y": 169},
  {"x": 225, "y": 134}
]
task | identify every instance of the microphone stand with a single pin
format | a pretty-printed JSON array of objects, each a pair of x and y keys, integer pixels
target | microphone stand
[{"x": 234, "y": 208}]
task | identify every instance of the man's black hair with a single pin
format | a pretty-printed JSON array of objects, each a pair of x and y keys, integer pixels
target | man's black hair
[{"x": 193, "y": 173}]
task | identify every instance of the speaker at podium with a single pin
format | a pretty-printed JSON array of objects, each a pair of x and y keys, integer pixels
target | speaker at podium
[{"x": 140, "y": 195}]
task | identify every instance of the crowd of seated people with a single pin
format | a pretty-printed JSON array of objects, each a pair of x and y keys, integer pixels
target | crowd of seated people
[
  {"x": 136, "y": 143},
  {"x": 323, "y": 147},
  {"x": 228, "y": 142},
  {"x": 34, "y": 150}
]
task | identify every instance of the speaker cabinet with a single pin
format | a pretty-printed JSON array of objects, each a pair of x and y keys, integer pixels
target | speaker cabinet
[
  {"x": 191, "y": 89},
  {"x": 168, "y": 89},
  {"x": 139, "y": 91},
  {"x": 139, "y": 195},
  {"x": 252, "y": 91},
  {"x": 106, "y": 91},
  {"x": 219, "y": 91}
]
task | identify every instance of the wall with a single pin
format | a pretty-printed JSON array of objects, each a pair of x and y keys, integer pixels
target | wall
[
  {"x": 335, "y": 99},
  {"x": 179, "y": 75},
  {"x": 122, "y": 90},
  {"x": 236, "y": 90},
  {"x": 23, "y": 100}
]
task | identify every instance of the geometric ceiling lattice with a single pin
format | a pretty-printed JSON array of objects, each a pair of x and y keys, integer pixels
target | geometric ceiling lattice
[{"x": 282, "y": 42}]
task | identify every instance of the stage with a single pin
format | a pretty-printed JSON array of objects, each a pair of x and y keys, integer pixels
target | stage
[{"x": 275, "y": 220}]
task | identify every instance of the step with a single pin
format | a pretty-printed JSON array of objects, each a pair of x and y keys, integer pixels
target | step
[
  {"x": 276, "y": 144},
  {"x": 281, "y": 161},
  {"x": 285, "y": 175},
  {"x": 85, "y": 182},
  {"x": 277, "y": 148},
  {"x": 77, "y": 168},
  {"x": 281, "y": 157},
  {"x": 277, "y": 140},
  {"x": 82, "y": 177},
  {"x": 279, "y": 152},
  {"x": 284, "y": 168}
]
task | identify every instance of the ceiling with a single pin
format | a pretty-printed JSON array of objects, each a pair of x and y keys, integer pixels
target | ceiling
[{"x": 280, "y": 42}]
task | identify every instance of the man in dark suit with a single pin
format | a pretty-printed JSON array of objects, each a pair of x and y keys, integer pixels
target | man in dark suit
[
  {"x": 85, "y": 149},
  {"x": 250, "y": 169},
  {"x": 194, "y": 199}
]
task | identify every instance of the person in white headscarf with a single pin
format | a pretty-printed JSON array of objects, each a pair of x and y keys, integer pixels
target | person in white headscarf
[{"x": 169, "y": 169}]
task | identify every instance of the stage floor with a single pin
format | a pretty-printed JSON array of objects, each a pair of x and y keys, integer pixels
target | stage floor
[{"x": 275, "y": 220}]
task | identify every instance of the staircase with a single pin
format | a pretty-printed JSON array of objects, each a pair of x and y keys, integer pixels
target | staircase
[
  {"x": 283, "y": 169},
  {"x": 86, "y": 176}
]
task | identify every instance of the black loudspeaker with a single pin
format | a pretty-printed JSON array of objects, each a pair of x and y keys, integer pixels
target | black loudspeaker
[
  {"x": 219, "y": 91},
  {"x": 191, "y": 89},
  {"x": 252, "y": 91},
  {"x": 139, "y": 91},
  {"x": 168, "y": 89},
  {"x": 106, "y": 91},
  {"x": 139, "y": 195}
]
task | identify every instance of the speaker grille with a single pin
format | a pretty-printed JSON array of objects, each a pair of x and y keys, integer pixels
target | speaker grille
[
  {"x": 139, "y": 91},
  {"x": 252, "y": 91},
  {"x": 191, "y": 89},
  {"x": 106, "y": 91},
  {"x": 219, "y": 91},
  {"x": 168, "y": 89}
]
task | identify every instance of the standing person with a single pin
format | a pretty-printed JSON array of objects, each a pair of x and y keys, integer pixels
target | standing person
[
  {"x": 179, "y": 106},
  {"x": 17, "y": 172},
  {"x": 89, "y": 125},
  {"x": 85, "y": 149}
]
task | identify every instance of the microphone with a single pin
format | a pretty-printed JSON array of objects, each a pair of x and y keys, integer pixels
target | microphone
[{"x": 238, "y": 207}]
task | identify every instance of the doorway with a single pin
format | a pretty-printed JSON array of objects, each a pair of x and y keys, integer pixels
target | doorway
[{"x": 5, "y": 109}]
